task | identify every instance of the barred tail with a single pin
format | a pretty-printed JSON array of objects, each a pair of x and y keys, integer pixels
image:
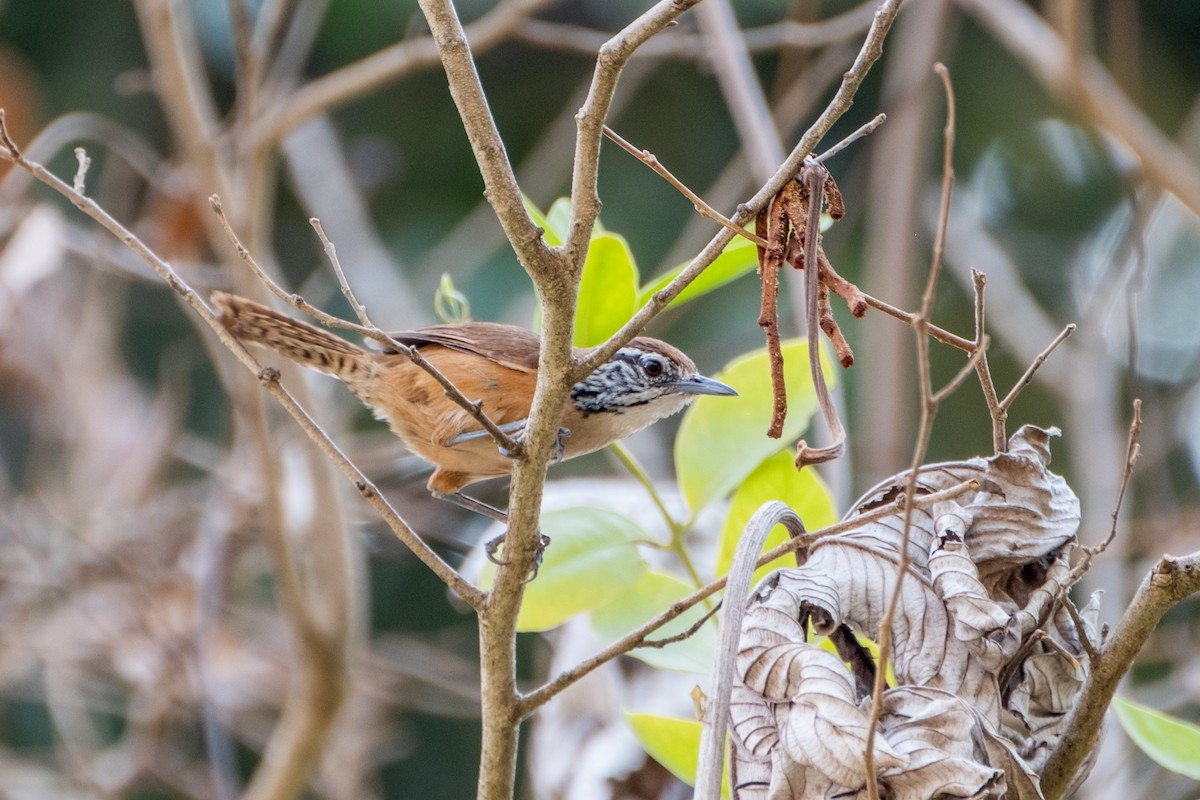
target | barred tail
[{"x": 303, "y": 343}]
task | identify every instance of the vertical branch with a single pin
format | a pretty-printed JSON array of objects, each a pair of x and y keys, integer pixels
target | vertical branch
[
  {"x": 928, "y": 411},
  {"x": 997, "y": 414}
]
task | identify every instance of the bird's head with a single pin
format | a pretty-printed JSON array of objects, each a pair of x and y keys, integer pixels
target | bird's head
[{"x": 647, "y": 378}]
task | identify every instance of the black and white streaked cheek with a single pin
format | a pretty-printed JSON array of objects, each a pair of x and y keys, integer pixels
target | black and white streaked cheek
[{"x": 632, "y": 378}]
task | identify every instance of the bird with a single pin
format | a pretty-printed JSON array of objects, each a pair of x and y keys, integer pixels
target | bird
[{"x": 490, "y": 363}]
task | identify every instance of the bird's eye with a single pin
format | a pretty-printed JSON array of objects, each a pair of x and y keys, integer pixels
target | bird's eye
[{"x": 653, "y": 367}]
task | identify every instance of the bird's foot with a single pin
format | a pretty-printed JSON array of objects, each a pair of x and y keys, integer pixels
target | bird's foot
[
  {"x": 560, "y": 447},
  {"x": 492, "y": 547}
]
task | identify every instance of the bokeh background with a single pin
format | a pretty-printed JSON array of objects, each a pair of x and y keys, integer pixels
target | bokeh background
[{"x": 147, "y": 649}]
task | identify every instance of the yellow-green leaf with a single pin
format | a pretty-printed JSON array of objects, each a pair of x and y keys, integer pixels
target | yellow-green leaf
[
  {"x": 674, "y": 743},
  {"x": 776, "y": 478},
  {"x": 608, "y": 291},
  {"x": 1172, "y": 742},
  {"x": 551, "y": 236},
  {"x": 724, "y": 439}
]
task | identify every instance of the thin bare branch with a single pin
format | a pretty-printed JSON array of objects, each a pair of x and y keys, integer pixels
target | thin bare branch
[
  {"x": 1132, "y": 450},
  {"x": 929, "y": 406},
  {"x": 651, "y": 161},
  {"x": 943, "y": 336},
  {"x": 690, "y": 631},
  {"x": 1027, "y": 378},
  {"x": 863, "y": 130},
  {"x": 965, "y": 370},
  {"x": 1085, "y": 641},
  {"x": 360, "y": 310},
  {"x": 998, "y": 415}
]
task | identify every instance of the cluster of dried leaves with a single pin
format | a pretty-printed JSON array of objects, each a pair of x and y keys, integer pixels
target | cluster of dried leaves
[{"x": 986, "y": 652}]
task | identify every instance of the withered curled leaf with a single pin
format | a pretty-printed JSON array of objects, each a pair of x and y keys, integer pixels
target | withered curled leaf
[{"x": 985, "y": 654}]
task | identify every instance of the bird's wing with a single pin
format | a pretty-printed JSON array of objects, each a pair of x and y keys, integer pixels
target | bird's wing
[{"x": 508, "y": 345}]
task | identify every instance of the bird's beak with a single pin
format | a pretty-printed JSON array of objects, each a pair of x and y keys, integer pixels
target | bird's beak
[{"x": 701, "y": 385}]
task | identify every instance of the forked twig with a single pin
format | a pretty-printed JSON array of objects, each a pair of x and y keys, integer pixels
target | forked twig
[{"x": 1027, "y": 378}]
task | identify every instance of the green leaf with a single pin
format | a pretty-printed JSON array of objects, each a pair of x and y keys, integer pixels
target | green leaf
[
  {"x": 608, "y": 293},
  {"x": 591, "y": 560},
  {"x": 649, "y": 597},
  {"x": 549, "y": 235},
  {"x": 1170, "y": 741},
  {"x": 558, "y": 219},
  {"x": 724, "y": 439},
  {"x": 738, "y": 258},
  {"x": 672, "y": 742},
  {"x": 776, "y": 478}
]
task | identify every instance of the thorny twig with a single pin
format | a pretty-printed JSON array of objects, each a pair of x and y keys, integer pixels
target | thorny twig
[{"x": 366, "y": 329}]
